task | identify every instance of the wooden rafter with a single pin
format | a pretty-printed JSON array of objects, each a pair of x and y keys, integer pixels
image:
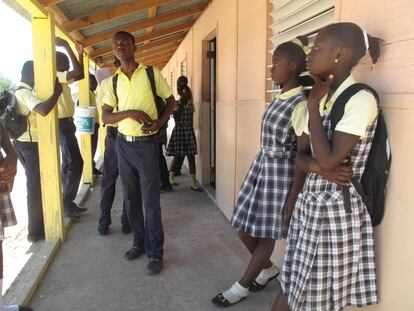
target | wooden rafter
[
  {"x": 111, "y": 13},
  {"x": 150, "y": 60},
  {"x": 145, "y": 37},
  {"x": 105, "y": 36},
  {"x": 152, "y": 12},
  {"x": 147, "y": 53},
  {"x": 50, "y": 2},
  {"x": 152, "y": 47},
  {"x": 62, "y": 18}
]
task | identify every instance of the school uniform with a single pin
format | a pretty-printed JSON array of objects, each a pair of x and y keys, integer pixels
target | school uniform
[
  {"x": 26, "y": 147},
  {"x": 110, "y": 168},
  {"x": 7, "y": 216},
  {"x": 72, "y": 162},
  {"x": 138, "y": 157},
  {"x": 329, "y": 260},
  {"x": 258, "y": 210},
  {"x": 183, "y": 141},
  {"x": 94, "y": 137}
]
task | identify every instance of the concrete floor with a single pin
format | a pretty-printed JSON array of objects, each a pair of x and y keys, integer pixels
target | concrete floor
[{"x": 203, "y": 256}]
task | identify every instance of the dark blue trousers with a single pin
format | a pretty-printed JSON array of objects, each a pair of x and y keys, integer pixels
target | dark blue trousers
[
  {"x": 94, "y": 142},
  {"x": 109, "y": 177},
  {"x": 72, "y": 162},
  {"x": 28, "y": 154},
  {"x": 140, "y": 177}
]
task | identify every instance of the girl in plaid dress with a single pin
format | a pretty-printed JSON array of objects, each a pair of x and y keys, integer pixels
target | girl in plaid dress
[
  {"x": 183, "y": 141},
  {"x": 8, "y": 166},
  {"x": 329, "y": 261},
  {"x": 268, "y": 186}
]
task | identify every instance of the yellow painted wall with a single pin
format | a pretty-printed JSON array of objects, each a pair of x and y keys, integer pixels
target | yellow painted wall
[{"x": 393, "y": 78}]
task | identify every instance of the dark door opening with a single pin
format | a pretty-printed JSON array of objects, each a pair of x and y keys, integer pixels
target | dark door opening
[{"x": 212, "y": 52}]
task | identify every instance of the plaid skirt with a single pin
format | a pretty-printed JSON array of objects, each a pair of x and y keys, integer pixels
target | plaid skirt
[
  {"x": 329, "y": 260},
  {"x": 259, "y": 205},
  {"x": 182, "y": 142},
  {"x": 7, "y": 214}
]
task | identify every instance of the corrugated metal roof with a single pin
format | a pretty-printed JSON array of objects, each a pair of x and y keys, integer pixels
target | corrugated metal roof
[{"x": 80, "y": 19}]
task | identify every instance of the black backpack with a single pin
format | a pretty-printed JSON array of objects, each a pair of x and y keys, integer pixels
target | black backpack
[
  {"x": 159, "y": 102},
  {"x": 373, "y": 184},
  {"x": 14, "y": 123}
]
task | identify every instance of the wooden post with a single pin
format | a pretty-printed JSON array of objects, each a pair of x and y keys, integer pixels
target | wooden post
[
  {"x": 45, "y": 74},
  {"x": 86, "y": 142}
]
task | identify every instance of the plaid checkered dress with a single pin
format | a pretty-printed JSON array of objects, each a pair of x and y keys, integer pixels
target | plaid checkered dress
[
  {"x": 329, "y": 260},
  {"x": 259, "y": 205},
  {"x": 7, "y": 217},
  {"x": 183, "y": 141}
]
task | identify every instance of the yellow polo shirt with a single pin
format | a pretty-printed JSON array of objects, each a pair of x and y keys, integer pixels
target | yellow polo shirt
[
  {"x": 26, "y": 102},
  {"x": 100, "y": 97},
  {"x": 360, "y": 111},
  {"x": 66, "y": 106},
  {"x": 299, "y": 113},
  {"x": 136, "y": 94}
]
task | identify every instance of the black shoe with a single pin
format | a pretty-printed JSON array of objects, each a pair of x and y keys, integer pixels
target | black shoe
[
  {"x": 154, "y": 265},
  {"x": 167, "y": 188},
  {"x": 70, "y": 213},
  {"x": 103, "y": 230},
  {"x": 96, "y": 172},
  {"x": 126, "y": 229},
  {"x": 35, "y": 237},
  {"x": 77, "y": 208},
  {"x": 24, "y": 308},
  {"x": 133, "y": 253}
]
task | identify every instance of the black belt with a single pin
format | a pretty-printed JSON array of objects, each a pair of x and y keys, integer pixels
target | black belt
[{"x": 136, "y": 138}]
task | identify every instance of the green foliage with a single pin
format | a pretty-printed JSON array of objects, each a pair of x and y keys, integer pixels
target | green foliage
[{"x": 5, "y": 82}]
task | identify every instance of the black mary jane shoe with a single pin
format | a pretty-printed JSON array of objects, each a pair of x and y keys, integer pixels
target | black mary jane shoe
[{"x": 256, "y": 287}]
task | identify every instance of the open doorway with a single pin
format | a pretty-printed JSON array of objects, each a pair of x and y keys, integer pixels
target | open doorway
[
  {"x": 208, "y": 113},
  {"x": 211, "y": 54}
]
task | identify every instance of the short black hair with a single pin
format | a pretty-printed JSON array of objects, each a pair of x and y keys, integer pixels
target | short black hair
[
  {"x": 295, "y": 52},
  {"x": 351, "y": 36},
  {"x": 27, "y": 68},
  {"x": 182, "y": 80},
  {"x": 126, "y": 34}
]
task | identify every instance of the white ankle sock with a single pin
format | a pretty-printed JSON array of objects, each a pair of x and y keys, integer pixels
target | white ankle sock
[
  {"x": 266, "y": 274},
  {"x": 235, "y": 293}
]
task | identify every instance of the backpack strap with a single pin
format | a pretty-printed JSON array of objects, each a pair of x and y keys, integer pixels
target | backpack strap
[
  {"x": 114, "y": 86},
  {"x": 335, "y": 116},
  {"x": 338, "y": 107},
  {"x": 150, "y": 74}
]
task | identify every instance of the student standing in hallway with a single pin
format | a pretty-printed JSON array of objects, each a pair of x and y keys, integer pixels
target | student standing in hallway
[
  {"x": 110, "y": 169},
  {"x": 72, "y": 162},
  {"x": 137, "y": 147},
  {"x": 26, "y": 146},
  {"x": 269, "y": 188}
]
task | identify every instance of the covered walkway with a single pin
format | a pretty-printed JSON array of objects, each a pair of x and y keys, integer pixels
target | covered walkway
[{"x": 203, "y": 255}]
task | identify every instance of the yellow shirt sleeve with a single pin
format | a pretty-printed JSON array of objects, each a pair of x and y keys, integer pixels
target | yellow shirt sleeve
[
  {"x": 360, "y": 111},
  {"x": 163, "y": 89},
  {"x": 298, "y": 118},
  {"x": 108, "y": 94},
  {"x": 26, "y": 101},
  {"x": 62, "y": 77}
]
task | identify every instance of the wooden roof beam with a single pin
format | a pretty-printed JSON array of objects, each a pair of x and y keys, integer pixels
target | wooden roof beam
[
  {"x": 153, "y": 46},
  {"x": 105, "y": 36},
  {"x": 111, "y": 13},
  {"x": 145, "y": 37},
  {"x": 149, "y": 54},
  {"x": 50, "y": 2}
]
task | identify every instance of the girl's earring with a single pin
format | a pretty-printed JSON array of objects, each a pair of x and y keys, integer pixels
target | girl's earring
[{"x": 336, "y": 61}]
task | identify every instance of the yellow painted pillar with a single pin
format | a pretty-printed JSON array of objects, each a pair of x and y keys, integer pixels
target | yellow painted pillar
[
  {"x": 44, "y": 56},
  {"x": 86, "y": 141}
]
